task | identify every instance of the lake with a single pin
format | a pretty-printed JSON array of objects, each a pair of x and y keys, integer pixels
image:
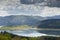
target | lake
[{"x": 34, "y": 33}]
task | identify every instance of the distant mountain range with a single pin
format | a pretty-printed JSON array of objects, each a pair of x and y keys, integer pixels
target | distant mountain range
[
  {"x": 54, "y": 17},
  {"x": 40, "y": 22},
  {"x": 50, "y": 23},
  {"x": 15, "y": 20}
]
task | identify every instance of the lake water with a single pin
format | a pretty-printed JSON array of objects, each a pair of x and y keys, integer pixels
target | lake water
[{"x": 34, "y": 33}]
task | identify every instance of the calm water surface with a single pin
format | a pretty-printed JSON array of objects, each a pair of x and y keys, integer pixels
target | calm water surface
[{"x": 32, "y": 32}]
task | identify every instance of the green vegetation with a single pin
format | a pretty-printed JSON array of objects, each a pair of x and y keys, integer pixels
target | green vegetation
[
  {"x": 8, "y": 36},
  {"x": 5, "y": 36},
  {"x": 22, "y": 27}
]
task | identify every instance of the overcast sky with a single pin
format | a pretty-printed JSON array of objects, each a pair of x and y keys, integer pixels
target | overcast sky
[{"x": 14, "y": 7}]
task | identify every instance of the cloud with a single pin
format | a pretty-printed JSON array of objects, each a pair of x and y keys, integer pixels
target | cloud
[
  {"x": 4, "y": 13},
  {"x": 53, "y": 3},
  {"x": 50, "y": 11},
  {"x": 30, "y": 1},
  {"x": 13, "y": 7},
  {"x": 46, "y": 11}
]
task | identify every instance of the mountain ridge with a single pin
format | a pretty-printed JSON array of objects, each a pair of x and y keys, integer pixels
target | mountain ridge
[
  {"x": 50, "y": 23},
  {"x": 15, "y": 20}
]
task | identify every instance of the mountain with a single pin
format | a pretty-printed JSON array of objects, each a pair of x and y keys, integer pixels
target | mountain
[
  {"x": 50, "y": 23},
  {"x": 54, "y": 17},
  {"x": 41, "y": 22},
  {"x": 15, "y": 20}
]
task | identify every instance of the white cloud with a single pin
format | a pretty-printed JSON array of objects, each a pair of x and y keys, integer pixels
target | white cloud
[
  {"x": 4, "y": 13},
  {"x": 50, "y": 11}
]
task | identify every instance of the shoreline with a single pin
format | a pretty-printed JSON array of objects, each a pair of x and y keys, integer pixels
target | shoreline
[{"x": 30, "y": 28}]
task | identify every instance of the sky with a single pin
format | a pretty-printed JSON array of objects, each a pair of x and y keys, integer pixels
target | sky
[{"x": 45, "y": 8}]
